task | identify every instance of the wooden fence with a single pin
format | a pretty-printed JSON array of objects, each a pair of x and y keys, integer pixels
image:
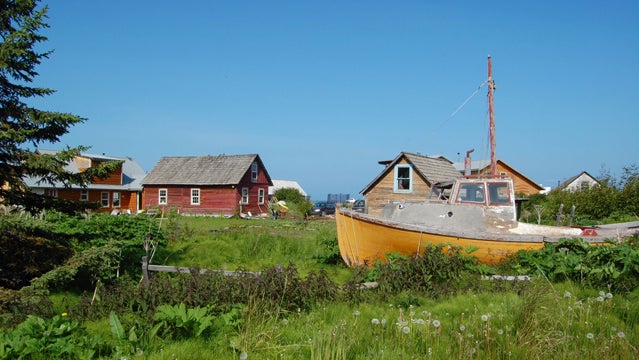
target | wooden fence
[{"x": 146, "y": 267}]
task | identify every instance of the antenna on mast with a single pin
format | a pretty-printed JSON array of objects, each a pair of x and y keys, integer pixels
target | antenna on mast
[{"x": 491, "y": 114}]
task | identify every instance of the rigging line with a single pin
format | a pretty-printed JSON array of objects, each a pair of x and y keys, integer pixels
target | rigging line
[{"x": 464, "y": 103}]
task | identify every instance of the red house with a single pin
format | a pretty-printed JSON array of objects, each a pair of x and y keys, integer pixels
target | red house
[{"x": 208, "y": 185}]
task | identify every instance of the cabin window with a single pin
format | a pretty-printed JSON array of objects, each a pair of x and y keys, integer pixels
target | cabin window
[
  {"x": 162, "y": 197},
  {"x": 195, "y": 196},
  {"x": 245, "y": 195},
  {"x": 254, "y": 172},
  {"x": 498, "y": 194},
  {"x": 53, "y": 193},
  {"x": 104, "y": 199},
  {"x": 84, "y": 195},
  {"x": 403, "y": 178},
  {"x": 260, "y": 196},
  {"x": 471, "y": 193},
  {"x": 116, "y": 199}
]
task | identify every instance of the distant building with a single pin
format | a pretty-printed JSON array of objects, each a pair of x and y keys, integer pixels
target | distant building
[
  {"x": 578, "y": 182},
  {"x": 337, "y": 198},
  {"x": 285, "y": 184}
]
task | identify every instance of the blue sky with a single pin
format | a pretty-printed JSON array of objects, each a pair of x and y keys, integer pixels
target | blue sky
[{"x": 323, "y": 90}]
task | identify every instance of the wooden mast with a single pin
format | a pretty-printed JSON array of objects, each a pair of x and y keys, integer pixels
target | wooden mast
[{"x": 491, "y": 114}]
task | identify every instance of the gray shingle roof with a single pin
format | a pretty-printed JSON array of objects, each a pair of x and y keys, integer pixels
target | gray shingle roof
[
  {"x": 433, "y": 169},
  {"x": 201, "y": 170}
]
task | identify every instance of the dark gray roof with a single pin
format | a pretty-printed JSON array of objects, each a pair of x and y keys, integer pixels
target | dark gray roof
[
  {"x": 201, "y": 170},
  {"x": 433, "y": 169}
]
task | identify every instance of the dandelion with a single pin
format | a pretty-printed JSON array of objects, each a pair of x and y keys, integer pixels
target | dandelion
[
  {"x": 462, "y": 327},
  {"x": 599, "y": 298},
  {"x": 500, "y": 332},
  {"x": 484, "y": 318},
  {"x": 590, "y": 336},
  {"x": 621, "y": 334},
  {"x": 436, "y": 323},
  {"x": 412, "y": 313},
  {"x": 375, "y": 321},
  {"x": 64, "y": 314},
  {"x": 609, "y": 295},
  {"x": 406, "y": 330},
  {"x": 383, "y": 322},
  {"x": 419, "y": 322},
  {"x": 602, "y": 293},
  {"x": 356, "y": 313},
  {"x": 284, "y": 322},
  {"x": 567, "y": 294},
  {"x": 243, "y": 355}
]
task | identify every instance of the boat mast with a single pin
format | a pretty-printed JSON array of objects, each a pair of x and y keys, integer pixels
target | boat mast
[{"x": 491, "y": 114}]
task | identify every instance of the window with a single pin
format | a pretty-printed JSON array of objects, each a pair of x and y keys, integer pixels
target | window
[
  {"x": 84, "y": 195},
  {"x": 471, "y": 193},
  {"x": 195, "y": 196},
  {"x": 245, "y": 195},
  {"x": 260, "y": 196},
  {"x": 403, "y": 178},
  {"x": 104, "y": 199},
  {"x": 498, "y": 194},
  {"x": 162, "y": 197},
  {"x": 116, "y": 199},
  {"x": 53, "y": 193},
  {"x": 254, "y": 172}
]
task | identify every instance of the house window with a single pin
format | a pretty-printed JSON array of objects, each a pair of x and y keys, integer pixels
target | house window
[
  {"x": 254, "y": 172},
  {"x": 162, "y": 197},
  {"x": 84, "y": 195},
  {"x": 260, "y": 196},
  {"x": 104, "y": 199},
  {"x": 53, "y": 193},
  {"x": 245, "y": 195},
  {"x": 195, "y": 196},
  {"x": 116, "y": 199},
  {"x": 403, "y": 178}
]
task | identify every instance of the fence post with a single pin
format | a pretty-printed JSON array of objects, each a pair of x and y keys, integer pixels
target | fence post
[{"x": 145, "y": 271}]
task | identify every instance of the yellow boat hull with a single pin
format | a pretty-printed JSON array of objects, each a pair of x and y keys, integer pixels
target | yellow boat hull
[{"x": 362, "y": 241}]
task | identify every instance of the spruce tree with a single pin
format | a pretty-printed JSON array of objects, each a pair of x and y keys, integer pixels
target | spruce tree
[{"x": 24, "y": 128}]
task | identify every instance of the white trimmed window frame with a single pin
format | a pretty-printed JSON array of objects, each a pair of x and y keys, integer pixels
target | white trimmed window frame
[
  {"x": 254, "y": 171},
  {"x": 117, "y": 199},
  {"x": 84, "y": 195},
  {"x": 163, "y": 196},
  {"x": 245, "y": 196},
  {"x": 260, "y": 196},
  {"x": 104, "y": 199},
  {"x": 195, "y": 196}
]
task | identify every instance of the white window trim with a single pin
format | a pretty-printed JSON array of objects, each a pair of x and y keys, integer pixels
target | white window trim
[
  {"x": 102, "y": 198},
  {"x": 195, "y": 199},
  {"x": 260, "y": 196},
  {"x": 84, "y": 195},
  {"x": 245, "y": 196},
  {"x": 119, "y": 199},
  {"x": 254, "y": 171},
  {"x": 410, "y": 178},
  {"x": 166, "y": 197}
]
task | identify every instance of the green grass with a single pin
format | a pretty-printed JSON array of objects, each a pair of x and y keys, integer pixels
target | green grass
[
  {"x": 230, "y": 244},
  {"x": 489, "y": 320}
]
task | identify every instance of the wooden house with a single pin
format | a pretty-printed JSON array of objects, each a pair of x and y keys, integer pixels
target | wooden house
[
  {"x": 523, "y": 185},
  {"x": 578, "y": 182},
  {"x": 208, "y": 185},
  {"x": 408, "y": 177},
  {"x": 120, "y": 192}
]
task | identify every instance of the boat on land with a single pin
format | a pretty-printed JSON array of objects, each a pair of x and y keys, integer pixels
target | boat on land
[{"x": 478, "y": 214}]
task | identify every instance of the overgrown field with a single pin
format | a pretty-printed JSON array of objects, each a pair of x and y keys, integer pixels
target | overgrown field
[{"x": 581, "y": 302}]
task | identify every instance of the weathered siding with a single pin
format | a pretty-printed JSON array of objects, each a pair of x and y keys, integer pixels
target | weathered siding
[
  {"x": 214, "y": 200},
  {"x": 128, "y": 200},
  {"x": 383, "y": 192}
]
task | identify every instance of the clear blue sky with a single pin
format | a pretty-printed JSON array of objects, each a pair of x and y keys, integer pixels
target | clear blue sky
[{"x": 323, "y": 90}]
